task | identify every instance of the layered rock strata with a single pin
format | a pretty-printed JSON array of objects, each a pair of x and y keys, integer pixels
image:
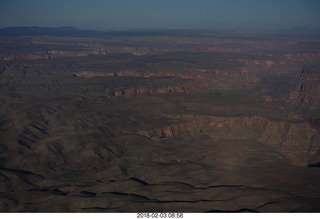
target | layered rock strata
[{"x": 297, "y": 139}]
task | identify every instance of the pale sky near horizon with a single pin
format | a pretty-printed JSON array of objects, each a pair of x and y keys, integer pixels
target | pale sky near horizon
[{"x": 128, "y": 14}]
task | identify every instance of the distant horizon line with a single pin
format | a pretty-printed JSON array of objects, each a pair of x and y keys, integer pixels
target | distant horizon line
[{"x": 159, "y": 28}]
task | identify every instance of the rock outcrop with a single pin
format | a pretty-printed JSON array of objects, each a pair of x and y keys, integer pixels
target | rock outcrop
[
  {"x": 307, "y": 91},
  {"x": 297, "y": 139},
  {"x": 89, "y": 74},
  {"x": 160, "y": 121},
  {"x": 204, "y": 78},
  {"x": 193, "y": 87}
]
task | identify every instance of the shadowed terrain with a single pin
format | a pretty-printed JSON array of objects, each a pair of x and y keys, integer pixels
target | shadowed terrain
[{"x": 189, "y": 120}]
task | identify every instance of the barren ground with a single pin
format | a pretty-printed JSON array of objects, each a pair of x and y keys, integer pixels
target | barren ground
[{"x": 183, "y": 121}]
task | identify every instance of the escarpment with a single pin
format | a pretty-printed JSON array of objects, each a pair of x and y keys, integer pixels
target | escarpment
[
  {"x": 160, "y": 121},
  {"x": 307, "y": 89},
  {"x": 183, "y": 88},
  {"x": 89, "y": 74},
  {"x": 297, "y": 140},
  {"x": 177, "y": 82}
]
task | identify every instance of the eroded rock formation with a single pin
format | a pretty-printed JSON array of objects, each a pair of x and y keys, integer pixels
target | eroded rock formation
[
  {"x": 296, "y": 138},
  {"x": 307, "y": 91},
  {"x": 207, "y": 125},
  {"x": 149, "y": 90}
]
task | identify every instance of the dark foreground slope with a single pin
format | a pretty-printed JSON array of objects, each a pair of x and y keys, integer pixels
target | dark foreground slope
[{"x": 160, "y": 123}]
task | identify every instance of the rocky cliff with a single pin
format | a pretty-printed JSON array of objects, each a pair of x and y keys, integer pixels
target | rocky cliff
[
  {"x": 203, "y": 78},
  {"x": 307, "y": 90},
  {"x": 89, "y": 74},
  {"x": 296, "y": 139},
  {"x": 183, "y": 88}
]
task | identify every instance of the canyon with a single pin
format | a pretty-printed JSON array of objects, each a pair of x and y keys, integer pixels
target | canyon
[{"x": 160, "y": 121}]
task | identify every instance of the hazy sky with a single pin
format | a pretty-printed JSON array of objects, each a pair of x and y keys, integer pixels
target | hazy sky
[{"x": 122, "y": 14}]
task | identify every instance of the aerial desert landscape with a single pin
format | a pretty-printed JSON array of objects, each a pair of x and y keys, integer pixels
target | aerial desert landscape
[{"x": 189, "y": 120}]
